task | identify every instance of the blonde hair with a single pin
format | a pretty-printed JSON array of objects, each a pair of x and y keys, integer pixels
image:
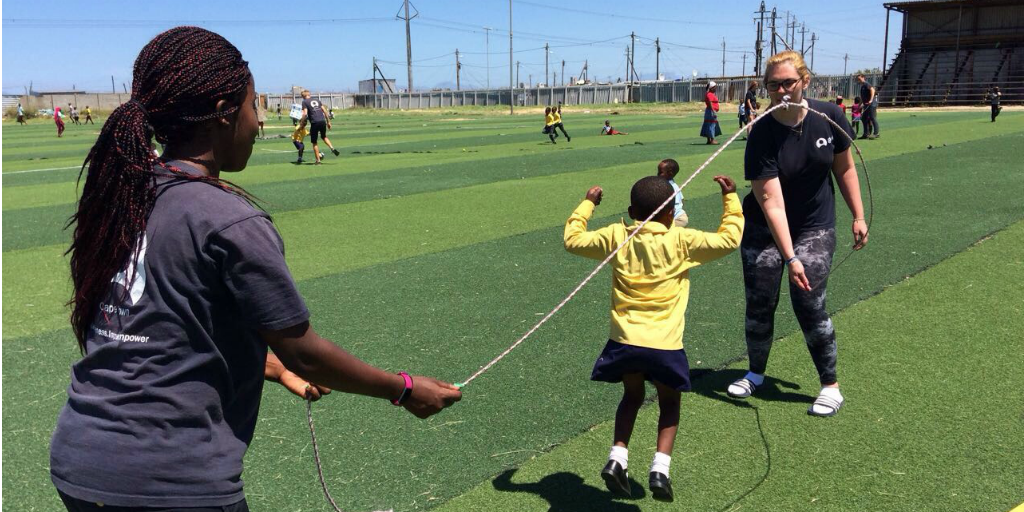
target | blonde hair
[{"x": 791, "y": 56}]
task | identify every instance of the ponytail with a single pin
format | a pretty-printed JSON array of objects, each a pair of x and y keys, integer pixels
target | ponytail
[{"x": 178, "y": 79}]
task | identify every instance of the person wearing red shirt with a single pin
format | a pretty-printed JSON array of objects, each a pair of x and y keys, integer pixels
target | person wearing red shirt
[{"x": 710, "y": 128}]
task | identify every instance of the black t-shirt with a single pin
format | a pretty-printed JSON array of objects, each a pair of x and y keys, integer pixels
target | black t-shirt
[
  {"x": 865, "y": 94},
  {"x": 163, "y": 405},
  {"x": 750, "y": 100},
  {"x": 801, "y": 158},
  {"x": 314, "y": 110}
]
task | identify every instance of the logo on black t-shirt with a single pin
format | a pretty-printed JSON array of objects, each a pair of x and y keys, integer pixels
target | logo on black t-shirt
[
  {"x": 314, "y": 104},
  {"x": 822, "y": 142},
  {"x": 136, "y": 271}
]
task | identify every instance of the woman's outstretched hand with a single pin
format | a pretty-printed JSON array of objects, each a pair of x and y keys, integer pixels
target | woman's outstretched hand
[{"x": 430, "y": 396}]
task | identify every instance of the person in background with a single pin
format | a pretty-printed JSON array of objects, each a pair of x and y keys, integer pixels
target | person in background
[
  {"x": 855, "y": 113},
  {"x": 994, "y": 96},
  {"x": 88, "y": 116},
  {"x": 21, "y": 115},
  {"x": 870, "y": 108},
  {"x": 710, "y": 128},
  {"x": 608, "y": 130},
  {"x": 57, "y": 119}
]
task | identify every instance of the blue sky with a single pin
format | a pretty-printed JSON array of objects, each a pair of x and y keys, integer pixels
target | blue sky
[{"x": 329, "y": 46}]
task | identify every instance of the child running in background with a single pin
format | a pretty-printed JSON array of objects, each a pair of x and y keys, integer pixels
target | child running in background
[
  {"x": 650, "y": 291},
  {"x": 668, "y": 168},
  {"x": 855, "y": 112},
  {"x": 557, "y": 115},
  {"x": 608, "y": 130},
  {"x": 298, "y": 136},
  {"x": 549, "y": 124},
  {"x": 58, "y": 121},
  {"x": 839, "y": 101},
  {"x": 88, "y": 116}
]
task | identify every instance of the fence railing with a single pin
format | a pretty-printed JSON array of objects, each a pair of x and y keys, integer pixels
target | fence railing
[{"x": 729, "y": 90}]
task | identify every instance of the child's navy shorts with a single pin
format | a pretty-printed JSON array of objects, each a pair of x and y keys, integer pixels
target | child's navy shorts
[{"x": 668, "y": 367}]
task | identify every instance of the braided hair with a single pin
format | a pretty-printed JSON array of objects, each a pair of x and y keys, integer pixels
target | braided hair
[{"x": 178, "y": 79}]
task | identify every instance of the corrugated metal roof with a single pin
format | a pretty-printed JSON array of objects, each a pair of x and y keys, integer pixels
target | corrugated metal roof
[{"x": 913, "y": 5}]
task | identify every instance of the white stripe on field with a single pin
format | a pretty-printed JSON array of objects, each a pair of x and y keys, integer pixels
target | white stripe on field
[{"x": 41, "y": 170}]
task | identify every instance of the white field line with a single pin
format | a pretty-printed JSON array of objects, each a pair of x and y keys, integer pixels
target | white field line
[{"x": 41, "y": 170}]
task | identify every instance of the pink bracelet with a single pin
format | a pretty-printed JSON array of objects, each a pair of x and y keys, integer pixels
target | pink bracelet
[{"x": 407, "y": 392}]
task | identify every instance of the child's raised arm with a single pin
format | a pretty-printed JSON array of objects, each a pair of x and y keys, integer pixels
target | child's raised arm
[
  {"x": 579, "y": 241},
  {"x": 702, "y": 246}
]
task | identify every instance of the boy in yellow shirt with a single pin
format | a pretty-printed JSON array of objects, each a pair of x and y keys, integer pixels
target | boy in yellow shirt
[
  {"x": 298, "y": 136},
  {"x": 650, "y": 290},
  {"x": 549, "y": 124},
  {"x": 556, "y": 114}
]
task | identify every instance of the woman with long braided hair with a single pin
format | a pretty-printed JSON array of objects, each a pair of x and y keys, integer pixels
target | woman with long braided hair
[{"x": 180, "y": 286}]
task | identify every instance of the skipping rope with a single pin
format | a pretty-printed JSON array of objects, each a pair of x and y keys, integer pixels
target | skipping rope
[{"x": 784, "y": 104}]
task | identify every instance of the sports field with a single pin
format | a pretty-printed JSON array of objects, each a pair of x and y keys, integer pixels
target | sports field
[{"x": 434, "y": 242}]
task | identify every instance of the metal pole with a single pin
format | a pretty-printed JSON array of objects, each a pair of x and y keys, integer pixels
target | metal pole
[
  {"x": 113, "y": 89},
  {"x": 511, "y": 85},
  {"x": 458, "y": 67},
  {"x": 744, "y": 72},
  {"x": 814, "y": 37},
  {"x": 846, "y": 57},
  {"x": 408, "y": 44},
  {"x": 632, "y": 55},
  {"x": 723, "y": 56},
  {"x": 657, "y": 59},
  {"x": 545, "y": 63},
  {"x": 487, "y": 31},
  {"x": 885, "y": 47},
  {"x": 774, "y": 33},
  {"x": 563, "y": 73},
  {"x": 803, "y": 32}
]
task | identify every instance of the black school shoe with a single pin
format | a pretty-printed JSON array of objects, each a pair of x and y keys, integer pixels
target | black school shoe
[
  {"x": 661, "y": 486},
  {"x": 336, "y": 152},
  {"x": 616, "y": 479}
]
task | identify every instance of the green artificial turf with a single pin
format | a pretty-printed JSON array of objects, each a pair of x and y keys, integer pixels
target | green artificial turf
[
  {"x": 435, "y": 262},
  {"x": 931, "y": 373}
]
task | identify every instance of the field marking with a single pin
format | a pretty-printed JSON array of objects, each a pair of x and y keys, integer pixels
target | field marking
[
  {"x": 41, "y": 170},
  {"x": 277, "y": 150}
]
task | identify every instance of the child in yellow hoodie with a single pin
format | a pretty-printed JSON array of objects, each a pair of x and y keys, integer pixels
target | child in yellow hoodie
[{"x": 650, "y": 290}]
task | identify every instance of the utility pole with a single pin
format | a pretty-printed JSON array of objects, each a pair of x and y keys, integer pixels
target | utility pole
[
  {"x": 744, "y": 72},
  {"x": 657, "y": 59},
  {"x": 723, "y": 57},
  {"x": 511, "y": 86},
  {"x": 632, "y": 55},
  {"x": 113, "y": 89},
  {"x": 814, "y": 37},
  {"x": 517, "y": 72},
  {"x": 487, "y": 31},
  {"x": 846, "y": 57},
  {"x": 758, "y": 49},
  {"x": 803, "y": 33},
  {"x": 408, "y": 43},
  {"x": 627, "y": 76},
  {"x": 458, "y": 68},
  {"x": 546, "y": 62},
  {"x": 563, "y": 73},
  {"x": 774, "y": 33},
  {"x": 792, "y": 33},
  {"x": 375, "y": 76}
]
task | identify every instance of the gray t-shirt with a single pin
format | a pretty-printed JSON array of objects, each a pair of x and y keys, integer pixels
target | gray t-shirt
[
  {"x": 314, "y": 110},
  {"x": 163, "y": 405}
]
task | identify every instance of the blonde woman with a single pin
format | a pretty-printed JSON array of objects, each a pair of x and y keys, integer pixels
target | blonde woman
[{"x": 791, "y": 159}]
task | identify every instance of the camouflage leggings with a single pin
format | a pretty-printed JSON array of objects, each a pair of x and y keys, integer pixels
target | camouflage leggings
[{"x": 762, "y": 275}]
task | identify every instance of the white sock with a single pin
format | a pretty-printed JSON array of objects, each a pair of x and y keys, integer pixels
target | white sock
[
  {"x": 620, "y": 454},
  {"x": 661, "y": 463},
  {"x": 756, "y": 378},
  {"x": 832, "y": 392}
]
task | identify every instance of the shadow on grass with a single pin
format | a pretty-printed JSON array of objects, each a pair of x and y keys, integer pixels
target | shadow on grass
[
  {"x": 712, "y": 384},
  {"x": 566, "y": 492}
]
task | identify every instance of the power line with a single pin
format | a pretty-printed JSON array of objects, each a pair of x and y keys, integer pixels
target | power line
[
  {"x": 45, "y": 23},
  {"x": 624, "y": 16}
]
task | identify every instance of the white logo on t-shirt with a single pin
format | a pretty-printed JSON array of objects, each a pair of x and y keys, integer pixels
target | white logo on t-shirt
[
  {"x": 822, "y": 142},
  {"x": 314, "y": 104},
  {"x": 137, "y": 267}
]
